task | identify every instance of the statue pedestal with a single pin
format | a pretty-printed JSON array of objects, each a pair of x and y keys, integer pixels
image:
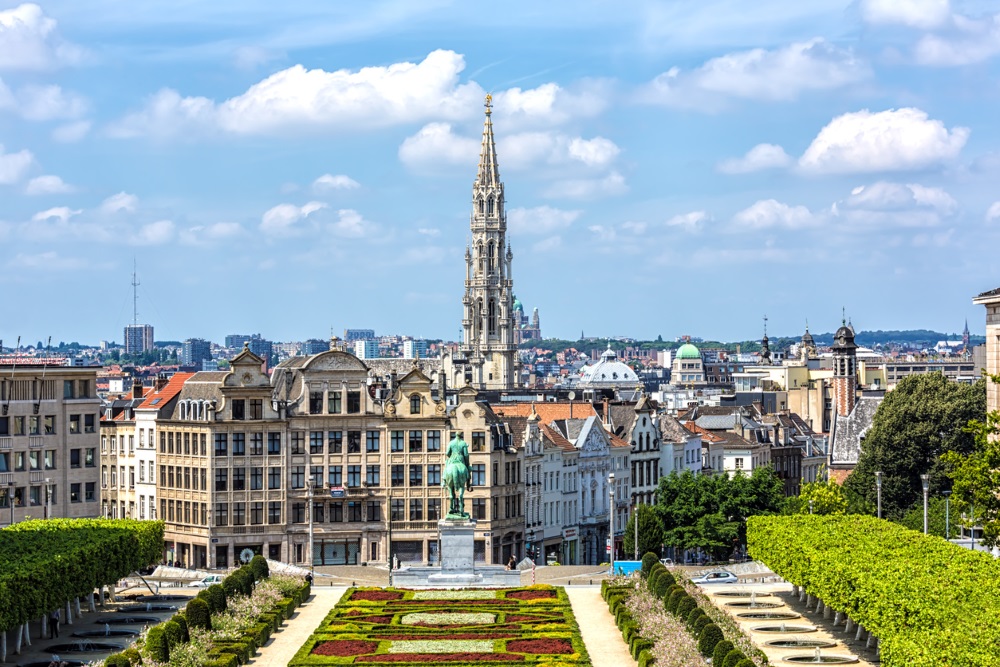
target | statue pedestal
[{"x": 458, "y": 566}]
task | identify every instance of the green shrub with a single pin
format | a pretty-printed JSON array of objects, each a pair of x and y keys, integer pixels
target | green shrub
[
  {"x": 215, "y": 596},
  {"x": 231, "y": 585},
  {"x": 646, "y": 659},
  {"x": 222, "y": 660},
  {"x": 649, "y": 559},
  {"x": 654, "y": 575},
  {"x": 745, "y": 662},
  {"x": 693, "y": 616},
  {"x": 668, "y": 576},
  {"x": 258, "y": 566},
  {"x": 629, "y": 630},
  {"x": 132, "y": 655},
  {"x": 663, "y": 584},
  {"x": 173, "y": 633},
  {"x": 198, "y": 614},
  {"x": 733, "y": 658},
  {"x": 710, "y": 637},
  {"x": 700, "y": 624},
  {"x": 638, "y": 645},
  {"x": 181, "y": 621},
  {"x": 674, "y": 600},
  {"x": 720, "y": 652},
  {"x": 117, "y": 660},
  {"x": 685, "y": 606},
  {"x": 156, "y": 648}
]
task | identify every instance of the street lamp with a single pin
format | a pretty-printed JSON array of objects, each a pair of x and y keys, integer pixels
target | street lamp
[
  {"x": 925, "y": 480},
  {"x": 810, "y": 505},
  {"x": 878, "y": 491},
  {"x": 611, "y": 519},
  {"x": 48, "y": 498},
  {"x": 947, "y": 516},
  {"x": 635, "y": 531},
  {"x": 309, "y": 508}
]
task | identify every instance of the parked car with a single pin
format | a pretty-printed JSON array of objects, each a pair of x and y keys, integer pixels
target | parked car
[
  {"x": 667, "y": 561},
  {"x": 208, "y": 581},
  {"x": 716, "y": 577}
]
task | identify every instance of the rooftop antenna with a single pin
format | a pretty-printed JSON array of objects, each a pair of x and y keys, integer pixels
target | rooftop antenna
[
  {"x": 6, "y": 405},
  {"x": 135, "y": 294}
]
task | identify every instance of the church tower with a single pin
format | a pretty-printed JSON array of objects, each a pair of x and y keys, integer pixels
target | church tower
[
  {"x": 488, "y": 344},
  {"x": 845, "y": 367}
]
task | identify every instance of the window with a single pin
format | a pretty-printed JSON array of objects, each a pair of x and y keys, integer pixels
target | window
[
  {"x": 416, "y": 509},
  {"x": 354, "y": 510},
  {"x": 739, "y": 463},
  {"x": 74, "y": 493},
  {"x": 396, "y": 441},
  {"x": 298, "y": 442},
  {"x": 318, "y": 513},
  {"x": 298, "y": 477},
  {"x": 221, "y": 479},
  {"x": 49, "y": 424},
  {"x": 397, "y": 510},
  {"x": 416, "y": 475},
  {"x": 256, "y": 514},
  {"x": 222, "y": 514},
  {"x": 256, "y": 408},
  {"x": 353, "y": 402},
  {"x": 416, "y": 441},
  {"x": 316, "y": 476},
  {"x": 239, "y": 479},
  {"x": 335, "y": 476},
  {"x": 298, "y": 512},
  {"x": 415, "y": 404},
  {"x": 239, "y": 444},
  {"x": 90, "y": 492},
  {"x": 479, "y": 441},
  {"x": 256, "y": 444},
  {"x": 315, "y": 442},
  {"x": 434, "y": 441},
  {"x": 274, "y": 478},
  {"x": 239, "y": 514},
  {"x": 50, "y": 459},
  {"x": 479, "y": 508},
  {"x": 333, "y": 403},
  {"x": 434, "y": 474},
  {"x": 221, "y": 444},
  {"x": 187, "y": 443},
  {"x": 433, "y": 509},
  {"x": 315, "y": 402},
  {"x": 336, "y": 512},
  {"x": 74, "y": 459},
  {"x": 372, "y": 441},
  {"x": 33, "y": 424},
  {"x": 74, "y": 424},
  {"x": 68, "y": 389},
  {"x": 373, "y": 475},
  {"x": 273, "y": 444},
  {"x": 353, "y": 476},
  {"x": 239, "y": 409},
  {"x": 34, "y": 460},
  {"x": 396, "y": 473},
  {"x": 478, "y": 474},
  {"x": 131, "y": 477},
  {"x": 335, "y": 442},
  {"x": 4, "y": 425},
  {"x": 354, "y": 442},
  {"x": 374, "y": 510},
  {"x": 274, "y": 512}
]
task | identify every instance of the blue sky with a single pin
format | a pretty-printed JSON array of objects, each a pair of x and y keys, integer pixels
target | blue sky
[{"x": 671, "y": 167}]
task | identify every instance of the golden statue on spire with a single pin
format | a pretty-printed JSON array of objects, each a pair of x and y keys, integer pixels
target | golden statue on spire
[{"x": 489, "y": 103}]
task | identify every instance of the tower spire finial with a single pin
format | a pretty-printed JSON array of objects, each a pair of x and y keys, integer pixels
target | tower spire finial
[
  {"x": 843, "y": 316},
  {"x": 488, "y": 175},
  {"x": 765, "y": 325}
]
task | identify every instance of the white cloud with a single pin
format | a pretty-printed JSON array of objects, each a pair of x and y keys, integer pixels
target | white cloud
[
  {"x": 154, "y": 233},
  {"x": 893, "y": 140},
  {"x": 923, "y": 14},
  {"x": 436, "y": 142},
  {"x": 779, "y": 74},
  {"x": 280, "y": 219},
  {"x": 48, "y": 185},
  {"x": 588, "y": 188},
  {"x": 596, "y": 152},
  {"x": 203, "y": 235},
  {"x": 969, "y": 41},
  {"x": 429, "y": 231},
  {"x": 539, "y": 220},
  {"x": 689, "y": 221},
  {"x": 551, "y": 103},
  {"x": 328, "y": 182},
  {"x": 59, "y": 213},
  {"x": 119, "y": 202},
  {"x": 761, "y": 156},
  {"x": 548, "y": 245},
  {"x": 13, "y": 166},
  {"x": 350, "y": 223},
  {"x": 993, "y": 212},
  {"x": 48, "y": 261},
  {"x": 768, "y": 213},
  {"x": 71, "y": 132},
  {"x": 49, "y": 103},
  {"x": 29, "y": 41},
  {"x": 885, "y": 205}
]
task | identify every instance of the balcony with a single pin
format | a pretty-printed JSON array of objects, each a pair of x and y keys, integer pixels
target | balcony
[
  {"x": 6, "y": 478},
  {"x": 6, "y": 442},
  {"x": 36, "y": 441}
]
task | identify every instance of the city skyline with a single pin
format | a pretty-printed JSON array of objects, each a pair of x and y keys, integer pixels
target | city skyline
[{"x": 288, "y": 170}]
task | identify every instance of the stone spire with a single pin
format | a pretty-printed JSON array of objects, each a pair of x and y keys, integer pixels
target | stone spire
[{"x": 489, "y": 171}]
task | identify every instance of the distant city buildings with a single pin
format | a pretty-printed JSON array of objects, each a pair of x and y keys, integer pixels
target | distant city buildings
[
  {"x": 352, "y": 335},
  {"x": 235, "y": 341},
  {"x": 194, "y": 351},
  {"x": 138, "y": 338},
  {"x": 415, "y": 349}
]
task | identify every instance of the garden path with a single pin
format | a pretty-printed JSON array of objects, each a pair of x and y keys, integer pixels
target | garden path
[
  {"x": 597, "y": 627},
  {"x": 278, "y": 651}
]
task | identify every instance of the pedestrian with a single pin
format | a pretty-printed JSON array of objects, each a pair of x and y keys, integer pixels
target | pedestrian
[
  {"x": 511, "y": 564},
  {"x": 54, "y": 619}
]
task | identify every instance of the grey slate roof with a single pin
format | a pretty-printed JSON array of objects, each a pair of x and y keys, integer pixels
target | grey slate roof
[{"x": 849, "y": 431}]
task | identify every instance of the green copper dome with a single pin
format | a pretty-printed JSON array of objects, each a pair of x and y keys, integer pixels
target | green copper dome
[
  {"x": 517, "y": 305},
  {"x": 688, "y": 351}
]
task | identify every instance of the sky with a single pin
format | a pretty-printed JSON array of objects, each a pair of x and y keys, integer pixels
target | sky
[{"x": 671, "y": 168}]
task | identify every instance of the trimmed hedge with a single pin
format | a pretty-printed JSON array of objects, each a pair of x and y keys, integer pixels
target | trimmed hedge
[
  {"x": 745, "y": 662},
  {"x": 156, "y": 646},
  {"x": 649, "y": 559},
  {"x": 198, "y": 614},
  {"x": 721, "y": 650},
  {"x": 920, "y": 595},
  {"x": 685, "y": 606},
  {"x": 699, "y": 625},
  {"x": 258, "y": 567},
  {"x": 215, "y": 596},
  {"x": 646, "y": 659},
  {"x": 710, "y": 637},
  {"x": 674, "y": 600},
  {"x": 733, "y": 657}
]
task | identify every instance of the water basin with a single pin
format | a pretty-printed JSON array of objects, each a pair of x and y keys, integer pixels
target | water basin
[
  {"x": 84, "y": 646},
  {"x": 131, "y": 620},
  {"x": 106, "y": 633},
  {"x": 784, "y": 629},
  {"x": 798, "y": 642},
  {"x": 159, "y": 598},
  {"x": 741, "y": 594},
  {"x": 46, "y": 663},
  {"x": 755, "y": 605},
  {"x": 148, "y": 607},
  {"x": 821, "y": 659},
  {"x": 769, "y": 615}
]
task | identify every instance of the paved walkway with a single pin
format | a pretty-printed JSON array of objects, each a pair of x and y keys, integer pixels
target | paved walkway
[
  {"x": 601, "y": 636},
  {"x": 283, "y": 644}
]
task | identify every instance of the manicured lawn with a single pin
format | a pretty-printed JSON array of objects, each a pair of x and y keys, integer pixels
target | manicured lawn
[{"x": 531, "y": 625}]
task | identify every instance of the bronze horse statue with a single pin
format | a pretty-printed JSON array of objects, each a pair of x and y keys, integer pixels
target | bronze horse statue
[{"x": 456, "y": 477}]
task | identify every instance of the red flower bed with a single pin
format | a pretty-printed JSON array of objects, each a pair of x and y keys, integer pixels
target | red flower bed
[
  {"x": 441, "y": 657},
  {"x": 460, "y": 635},
  {"x": 540, "y": 646},
  {"x": 345, "y": 647},
  {"x": 521, "y": 618},
  {"x": 531, "y": 595},
  {"x": 377, "y": 596},
  {"x": 454, "y": 603}
]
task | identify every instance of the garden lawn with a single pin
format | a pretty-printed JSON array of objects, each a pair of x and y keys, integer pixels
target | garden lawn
[{"x": 532, "y": 625}]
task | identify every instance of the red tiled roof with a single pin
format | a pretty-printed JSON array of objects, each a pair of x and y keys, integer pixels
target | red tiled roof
[
  {"x": 556, "y": 438},
  {"x": 547, "y": 412},
  {"x": 705, "y": 434},
  {"x": 167, "y": 393}
]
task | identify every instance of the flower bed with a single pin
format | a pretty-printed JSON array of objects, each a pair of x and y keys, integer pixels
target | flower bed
[{"x": 404, "y": 628}]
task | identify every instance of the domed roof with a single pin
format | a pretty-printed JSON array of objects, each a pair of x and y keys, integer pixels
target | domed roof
[
  {"x": 517, "y": 305},
  {"x": 608, "y": 372},
  {"x": 807, "y": 338},
  {"x": 844, "y": 338},
  {"x": 688, "y": 351}
]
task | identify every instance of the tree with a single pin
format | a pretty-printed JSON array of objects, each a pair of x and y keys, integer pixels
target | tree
[
  {"x": 827, "y": 498},
  {"x": 914, "y": 517},
  {"x": 650, "y": 531},
  {"x": 976, "y": 477},
  {"x": 924, "y": 417}
]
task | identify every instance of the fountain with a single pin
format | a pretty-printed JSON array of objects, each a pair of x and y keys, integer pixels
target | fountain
[
  {"x": 86, "y": 646},
  {"x": 799, "y": 642},
  {"x": 46, "y": 663},
  {"x": 755, "y": 605},
  {"x": 107, "y": 632},
  {"x": 132, "y": 620},
  {"x": 784, "y": 629},
  {"x": 769, "y": 615},
  {"x": 161, "y": 598},
  {"x": 149, "y": 607},
  {"x": 817, "y": 658}
]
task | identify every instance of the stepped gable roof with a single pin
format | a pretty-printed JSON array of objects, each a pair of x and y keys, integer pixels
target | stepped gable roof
[{"x": 157, "y": 399}]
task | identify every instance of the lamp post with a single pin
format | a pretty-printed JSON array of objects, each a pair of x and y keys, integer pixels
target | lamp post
[
  {"x": 810, "y": 505},
  {"x": 48, "y": 498},
  {"x": 635, "y": 531},
  {"x": 878, "y": 491},
  {"x": 309, "y": 508},
  {"x": 947, "y": 516},
  {"x": 10, "y": 500},
  {"x": 611, "y": 519},
  {"x": 925, "y": 481}
]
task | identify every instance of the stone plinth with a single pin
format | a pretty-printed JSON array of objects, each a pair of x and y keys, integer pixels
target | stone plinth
[{"x": 457, "y": 545}]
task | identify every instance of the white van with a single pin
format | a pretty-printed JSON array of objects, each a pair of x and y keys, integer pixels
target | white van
[{"x": 210, "y": 580}]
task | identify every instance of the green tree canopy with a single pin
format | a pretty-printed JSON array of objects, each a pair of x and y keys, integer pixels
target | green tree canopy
[
  {"x": 827, "y": 498},
  {"x": 650, "y": 531},
  {"x": 924, "y": 417},
  {"x": 976, "y": 478}
]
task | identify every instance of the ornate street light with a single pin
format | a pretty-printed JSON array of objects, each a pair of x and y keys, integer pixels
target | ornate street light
[
  {"x": 925, "y": 480},
  {"x": 878, "y": 491}
]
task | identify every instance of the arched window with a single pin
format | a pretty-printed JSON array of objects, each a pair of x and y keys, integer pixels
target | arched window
[
  {"x": 481, "y": 205},
  {"x": 491, "y": 256},
  {"x": 489, "y": 206},
  {"x": 477, "y": 321},
  {"x": 479, "y": 257},
  {"x": 415, "y": 404},
  {"x": 492, "y": 317}
]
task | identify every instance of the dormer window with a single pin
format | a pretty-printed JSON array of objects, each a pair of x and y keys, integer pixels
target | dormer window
[{"x": 415, "y": 404}]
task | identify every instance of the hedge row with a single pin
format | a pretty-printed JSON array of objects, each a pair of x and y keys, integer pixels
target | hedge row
[
  {"x": 928, "y": 601},
  {"x": 46, "y": 563},
  {"x": 640, "y": 647}
]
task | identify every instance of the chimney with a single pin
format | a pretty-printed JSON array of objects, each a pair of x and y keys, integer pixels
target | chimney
[
  {"x": 161, "y": 381},
  {"x": 607, "y": 413},
  {"x": 136, "y": 388}
]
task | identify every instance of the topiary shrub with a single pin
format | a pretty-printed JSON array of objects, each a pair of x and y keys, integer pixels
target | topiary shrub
[
  {"x": 181, "y": 621},
  {"x": 117, "y": 660},
  {"x": 638, "y": 645},
  {"x": 231, "y": 585},
  {"x": 646, "y": 659},
  {"x": 215, "y": 596},
  {"x": 693, "y": 616},
  {"x": 672, "y": 601},
  {"x": 156, "y": 648},
  {"x": 247, "y": 580},
  {"x": 649, "y": 559},
  {"x": 733, "y": 658},
  {"x": 198, "y": 614},
  {"x": 654, "y": 575},
  {"x": 720, "y": 651},
  {"x": 132, "y": 655},
  {"x": 663, "y": 584},
  {"x": 745, "y": 662},
  {"x": 685, "y": 606},
  {"x": 258, "y": 566},
  {"x": 700, "y": 624},
  {"x": 667, "y": 575},
  {"x": 173, "y": 633},
  {"x": 710, "y": 637}
]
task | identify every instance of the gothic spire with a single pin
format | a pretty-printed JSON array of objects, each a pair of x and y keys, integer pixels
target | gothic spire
[{"x": 489, "y": 171}]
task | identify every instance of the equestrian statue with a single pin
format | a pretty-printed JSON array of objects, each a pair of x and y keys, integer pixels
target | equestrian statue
[{"x": 456, "y": 477}]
